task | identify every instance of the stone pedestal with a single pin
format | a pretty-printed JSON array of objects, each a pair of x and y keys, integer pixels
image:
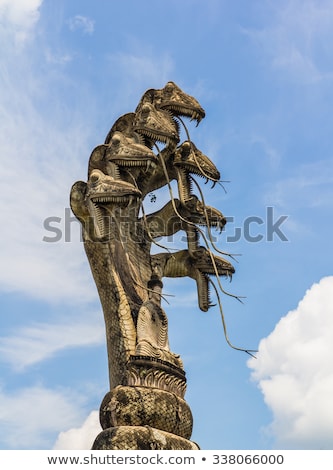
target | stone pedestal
[
  {"x": 148, "y": 411},
  {"x": 140, "y": 438}
]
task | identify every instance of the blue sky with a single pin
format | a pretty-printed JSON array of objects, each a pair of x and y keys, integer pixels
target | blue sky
[{"x": 263, "y": 71}]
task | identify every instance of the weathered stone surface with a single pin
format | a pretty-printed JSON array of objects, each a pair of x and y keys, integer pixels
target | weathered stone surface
[
  {"x": 140, "y": 438},
  {"x": 143, "y": 406}
]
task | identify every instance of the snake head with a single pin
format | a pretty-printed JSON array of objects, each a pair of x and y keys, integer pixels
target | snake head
[
  {"x": 209, "y": 263},
  {"x": 173, "y": 99},
  {"x": 156, "y": 124},
  {"x": 127, "y": 153},
  {"x": 198, "y": 213},
  {"x": 189, "y": 158}
]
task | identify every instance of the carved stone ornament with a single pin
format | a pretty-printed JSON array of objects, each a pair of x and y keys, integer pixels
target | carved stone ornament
[{"x": 145, "y": 408}]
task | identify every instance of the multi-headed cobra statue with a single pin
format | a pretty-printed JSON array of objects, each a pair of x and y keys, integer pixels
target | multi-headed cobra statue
[{"x": 145, "y": 407}]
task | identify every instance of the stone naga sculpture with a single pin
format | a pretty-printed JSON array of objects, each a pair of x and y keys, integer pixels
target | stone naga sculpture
[{"x": 145, "y": 408}]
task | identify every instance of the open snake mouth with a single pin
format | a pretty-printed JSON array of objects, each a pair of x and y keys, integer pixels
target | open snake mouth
[
  {"x": 158, "y": 136},
  {"x": 157, "y": 125},
  {"x": 103, "y": 210},
  {"x": 206, "y": 265},
  {"x": 191, "y": 160},
  {"x": 214, "y": 217},
  {"x": 146, "y": 163},
  {"x": 120, "y": 201},
  {"x": 105, "y": 196},
  {"x": 174, "y": 100},
  {"x": 128, "y": 151},
  {"x": 215, "y": 222},
  {"x": 203, "y": 291},
  {"x": 201, "y": 214},
  {"x": 202, "y": 172},
  {"x": 195, "y": 114}
]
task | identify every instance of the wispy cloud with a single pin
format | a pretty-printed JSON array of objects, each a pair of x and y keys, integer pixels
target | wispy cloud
[
  {"x": 42, "y": 144},
  {"x": 82, "y": 23},
  {"x": 295, "y": 374},
  {"x": 143, "y": 67},
  {"x": 137, "y": 71},
  {"x": 271, "y": 154},
  {"x": 311, "y": 186},
  {"x": 296, "y": 39},
  {"x": 33, "y": 344},
  {"x": 31, "y": 418},
  {"x": 57, "y": 57},
  {"x": 31, "y": 192}
]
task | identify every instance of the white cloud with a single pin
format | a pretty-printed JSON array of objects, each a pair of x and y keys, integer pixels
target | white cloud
[
  {"x": 82, "y": 23},
  {"x": 32, "y": 417},
  {"x": 19, "y": 17},
  {"x": 80, "y": 438},
  {"x": 294, "y": 372},
  {"x": 33, "y": 344}
]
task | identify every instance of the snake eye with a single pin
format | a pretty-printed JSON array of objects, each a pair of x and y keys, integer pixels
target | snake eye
[
  {"x": 95, "y": 176},
  {"x": 168, "y": 89},
  {"x": 186, "y": 149},
  {"x": 145, "y": 111},
  {"x": 115, "y": 141}
]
